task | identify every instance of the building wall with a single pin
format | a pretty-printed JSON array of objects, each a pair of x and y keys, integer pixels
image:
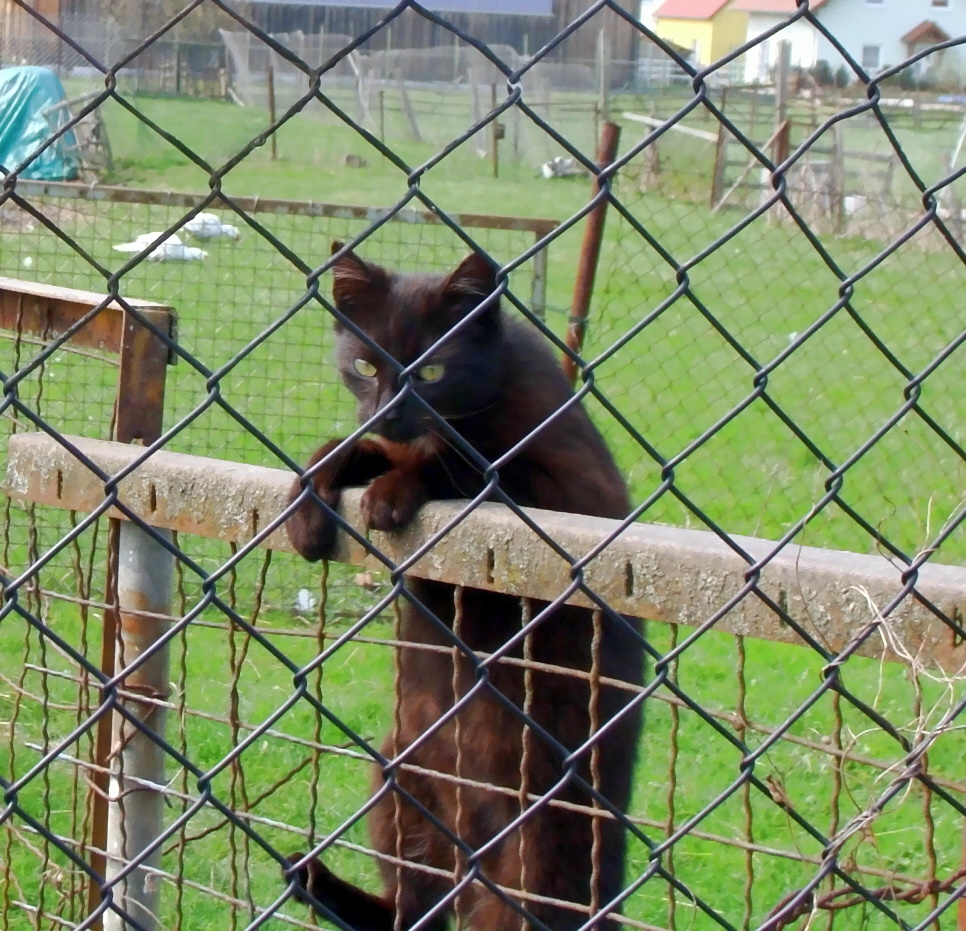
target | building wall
[
  {"x": 729, "y": 29},
  {"x": 20, "y": 32},
  {"x": 410, "y": 30},
  {"x": 688, "y": 33},
  {"x": 12, "y": 13},
  {"x": 646, "y": 14},
  {"x": 858, "y": 23},
  {"x": 710, "y": 38},
  {"x": 761, "y": 60}
]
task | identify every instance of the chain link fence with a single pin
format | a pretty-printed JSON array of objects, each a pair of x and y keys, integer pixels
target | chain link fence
[{"x": 774, "y": 355}]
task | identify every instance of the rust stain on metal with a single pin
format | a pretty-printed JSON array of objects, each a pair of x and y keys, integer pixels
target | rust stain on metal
[{"x": 677, "y": 576}]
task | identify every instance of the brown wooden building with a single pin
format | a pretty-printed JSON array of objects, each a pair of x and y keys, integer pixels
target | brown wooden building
[
  {"x": 410, "y": 30},
  {"x": 20, "y": 32}
]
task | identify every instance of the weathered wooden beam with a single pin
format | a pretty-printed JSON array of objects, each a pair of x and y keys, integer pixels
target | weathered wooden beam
[
  {"x": 47, "y": 310},
  {"x": 660, "y": 573},
  {"x": 538, "y": 225}
]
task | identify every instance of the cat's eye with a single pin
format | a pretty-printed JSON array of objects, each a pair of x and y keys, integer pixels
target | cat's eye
[
  {"x": 432, "y": 372},
  {"x": 364, "y": 367}
]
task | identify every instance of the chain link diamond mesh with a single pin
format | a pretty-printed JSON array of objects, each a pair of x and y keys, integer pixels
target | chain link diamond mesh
[{"x": 774, "y": 350}]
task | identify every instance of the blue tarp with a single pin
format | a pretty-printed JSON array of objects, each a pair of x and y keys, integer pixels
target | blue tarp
[{"x": 24, "y": 94}]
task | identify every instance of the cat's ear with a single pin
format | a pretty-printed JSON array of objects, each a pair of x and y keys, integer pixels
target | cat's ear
[
  {"x": 474, "y": 277},
  {"x": 354, "y": 281}
]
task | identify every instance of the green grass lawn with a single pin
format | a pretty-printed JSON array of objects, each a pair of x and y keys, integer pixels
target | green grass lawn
[
  {"x": 672, "y": 383},
  {"x": 214, "y": 672}
]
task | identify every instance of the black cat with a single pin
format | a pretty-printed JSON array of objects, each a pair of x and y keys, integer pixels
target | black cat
[{"x": 495, "y": 381}]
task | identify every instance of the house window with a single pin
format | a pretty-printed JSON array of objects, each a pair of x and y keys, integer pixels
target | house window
[
  {"x": 874, "y": 2},
  {"x": 941, "y": 4},
  {"x": 871, "y": 56}
]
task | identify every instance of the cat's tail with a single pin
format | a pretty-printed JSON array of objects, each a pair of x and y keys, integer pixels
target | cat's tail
[{"x": 318, "y": 887}]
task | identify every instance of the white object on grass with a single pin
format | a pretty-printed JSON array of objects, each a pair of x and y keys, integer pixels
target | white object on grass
[
  {"x": 305, "y": 600},
  {"x": 853, "y": 204},
  {"x": 208, "y": 226},
  {"x": 561, "y": 167},
  {"x": 171, "y": 250}
]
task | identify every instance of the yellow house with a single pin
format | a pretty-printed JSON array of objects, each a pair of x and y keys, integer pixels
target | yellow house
[{"x": 707, "y": 27}]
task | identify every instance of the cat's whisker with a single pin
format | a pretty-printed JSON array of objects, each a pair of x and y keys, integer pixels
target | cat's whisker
[{"x": 481, "y": 410}]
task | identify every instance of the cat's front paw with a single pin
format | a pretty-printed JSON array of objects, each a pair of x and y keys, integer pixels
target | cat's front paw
[
  {"x": 392, "y": 500},
  {"x": 311, "y": 530}
]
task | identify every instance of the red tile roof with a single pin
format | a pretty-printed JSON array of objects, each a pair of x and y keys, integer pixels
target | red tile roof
[
  {"x": 689, "y": 9},
  {"x": 772, "y": 6}
]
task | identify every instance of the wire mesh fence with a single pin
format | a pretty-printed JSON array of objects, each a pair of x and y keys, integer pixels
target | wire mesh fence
[
  {"x": 238, "y": 283},
  {"x": 784, "y": 363}
]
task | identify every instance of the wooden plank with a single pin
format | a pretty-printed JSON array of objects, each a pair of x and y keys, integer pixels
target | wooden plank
[
  {"x": 44, "y": 310},
  {"x": 661, "y": 573},
  {"x": 685, "y": 130},
  {"x": 752, "y": 162},
  {"x": 256, "y": 205}
]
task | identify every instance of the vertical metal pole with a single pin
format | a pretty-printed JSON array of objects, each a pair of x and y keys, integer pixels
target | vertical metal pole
[
  {"x": 603, "y": 74},
  {"x": 719, "y": 175},
  {"x": 408, "y": 106},
  {"x": 139, "y": 413},
  {"x": 590, "y": 253},
  {"x": 272, "y": 115},
  {"x": 494, "y": 134},
  {"x": 961, "y": 904},
  {"x": 136, "y": 788},
  {"x": 783, "y": 89},
  {"x": 538, "y": 289},
  {"x": 837, "y": 178}
]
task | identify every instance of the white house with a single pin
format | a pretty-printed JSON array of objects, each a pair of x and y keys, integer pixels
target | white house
[
  {"x": 646, "y": 15},
  {"x": 877, "y": 33},
  {"x": 883, "y": 33},
  {"x": 766, "y": 14}
]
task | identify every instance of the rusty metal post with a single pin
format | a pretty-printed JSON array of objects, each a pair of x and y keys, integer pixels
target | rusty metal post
[
  {"x": 590, "y": 252},
  {"x": 136, "y": 789}
]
